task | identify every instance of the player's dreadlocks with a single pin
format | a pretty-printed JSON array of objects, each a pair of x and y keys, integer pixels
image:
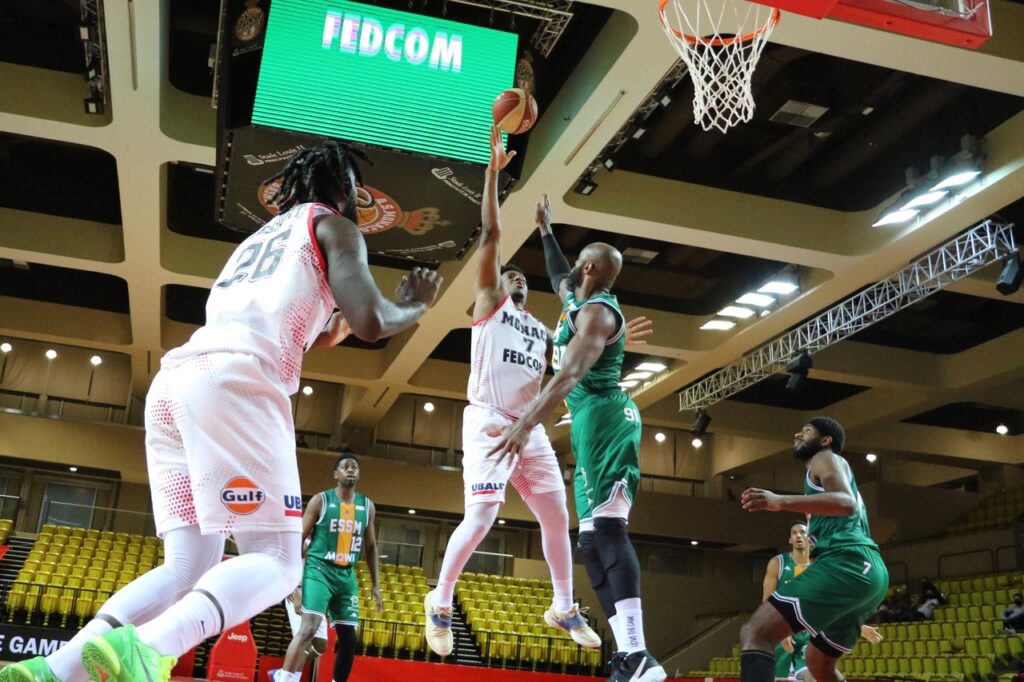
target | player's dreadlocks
[{"x": 320, "y": 174}]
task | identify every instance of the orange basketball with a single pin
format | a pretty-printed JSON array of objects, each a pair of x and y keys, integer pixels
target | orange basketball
[{"x": 514, "y": 111}]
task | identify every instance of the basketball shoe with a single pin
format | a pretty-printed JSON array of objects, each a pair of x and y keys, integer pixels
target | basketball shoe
[
  {"x": 638, "y": 666},
  {"x": 438, "y": 625},
  {"x": 31, "y": 670},
  {"x": 573, "y": 622},
  {"x": 121, "y": 657}
]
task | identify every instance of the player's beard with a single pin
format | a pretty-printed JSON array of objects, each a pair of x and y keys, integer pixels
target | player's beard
[
  {"x": 807, "y": 449},
  {"x": 574, "y": 278},
  {"x": 518, "y": 296}
]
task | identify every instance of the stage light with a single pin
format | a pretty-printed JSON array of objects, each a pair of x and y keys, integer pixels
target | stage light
[
  {"x": 760, "y": 300},
  {"x": 1002, "y": 429},
  {"x": 736, "y": 311},
  {"x": 694, "y": 543},
  {"x": 1010, "y": 278},
  {"x": 696, "y": 442},
  {"x": 871, "y": 457},
  {"x": 660, "y": 437},
  {"x": 585, "y": 186},
  {"x": 96, "y": 361},
  {"x": 307, "y": 390},
  {"x": 428, "y": 407},
  {"x": 798, "y": 368},
  {"x": 51, "y": 354},
  {"x": 6, "y": 347},
  {"x": 651, "y": 367}
]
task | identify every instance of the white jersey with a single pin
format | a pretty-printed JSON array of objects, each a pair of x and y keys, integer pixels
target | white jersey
[
  {"x": 509, "y": 356},
  {"x": 272, "y": 299}
]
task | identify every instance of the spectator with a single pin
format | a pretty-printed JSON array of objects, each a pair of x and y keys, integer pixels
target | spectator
[
  {"x": 1013, "y": 617},
  {"x": 927, "y": 608}
]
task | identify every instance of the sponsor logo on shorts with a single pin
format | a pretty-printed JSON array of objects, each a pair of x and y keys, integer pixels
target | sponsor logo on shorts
[
  {"x": 242, "y": 495},
  {"x": 293, "y": 505},
  {"x": 486, "y": 488}
]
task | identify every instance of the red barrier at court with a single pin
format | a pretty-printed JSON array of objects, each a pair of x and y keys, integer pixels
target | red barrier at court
[
  {"x": 371, "y": 669},
  {"x": 268, "y": 663},
  {"x": 186, "y": 663},
  {"x": 233, "y": 657}
]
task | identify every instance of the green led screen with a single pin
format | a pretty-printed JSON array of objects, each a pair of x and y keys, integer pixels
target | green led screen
[{"x": 394, "y": 79}]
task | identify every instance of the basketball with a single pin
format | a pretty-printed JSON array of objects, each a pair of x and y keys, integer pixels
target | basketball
[{"x": 514, "y": 111}]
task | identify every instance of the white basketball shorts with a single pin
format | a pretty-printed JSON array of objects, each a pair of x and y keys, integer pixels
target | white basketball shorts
[
  {"x": 536, "y": 472},
  {"x": 295, "y": 619},
  {"x": 220, "y": 445}
]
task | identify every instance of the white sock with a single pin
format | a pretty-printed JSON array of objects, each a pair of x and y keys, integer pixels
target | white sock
[
  {"x": 613, "y": 623},
  {"x": 553, "y": 517},
  {"x": 66, "y": 662},
  {"x": 265, "y": 572},
  {"x": 474, "y": 527},
  {"x": 631, "y": 621}
]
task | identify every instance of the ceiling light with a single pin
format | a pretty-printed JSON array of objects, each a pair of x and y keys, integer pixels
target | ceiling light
[
  {"x": 638, "y": 132},
  {"x": 797, "y": 369},
  {"x": 651, "y": 367},
  {"x": 894, "y": 217},
  {"x": 638, "y": 375},
  {"x": 628, "y": 384},
  {"x": 778, "y": 287},
  {"x": 760, "y": 300},
  {"x": 736, "y": 311},
  {"x": 501, "y": 522},
  {"x": 765, "y": 313},
  {"x": 93, "y": 105},
  {"x": 609, "y": 163},
  {"x": 51, "y": 354},
  {"x": 694, "y": 543},
  {"x": 412, "y": 511},
  {"x": 307, "y": 390},
  {"x": 700, "y": 426},
  {"x": 660, "y": 437},
  {"x": 696, "y": 442},
  {"x": 72, "y": 469},
  {"x": 1002, "y": 429},
  {"x": 96, "y": 361},
  {"x": 6, "y": 347},
  {"x": 428, "y": 407},
  {"x": 926, "y": 199},
  {"x": 585, "y": 186},
  {"x": 721, "y": 325},
  {"x": 871, "y": 457},
  {"x": 957, "y": 179}
]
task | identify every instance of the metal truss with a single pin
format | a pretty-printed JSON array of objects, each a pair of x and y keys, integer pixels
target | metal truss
[
  {"x": 554, "y": 17},
  {"x": 95, "y": 49},
  {"x": 983, "y": 244},
  {"x": 634, "y": 124}
]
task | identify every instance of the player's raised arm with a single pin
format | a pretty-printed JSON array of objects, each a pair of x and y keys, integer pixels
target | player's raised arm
[
  {"x": 369, "y": 314},
  {"x": 488, "y": 264},
  {"x": 557, "y": 265},
  {"x": 595, "y": 324}
]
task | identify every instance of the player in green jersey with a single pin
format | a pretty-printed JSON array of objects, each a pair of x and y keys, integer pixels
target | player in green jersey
[
  {"x": 783, "y": 569},
  {"x": 847, "y": 580},
  {"x": 587, "y": 358},
  {"x": 338, "y": 523}
]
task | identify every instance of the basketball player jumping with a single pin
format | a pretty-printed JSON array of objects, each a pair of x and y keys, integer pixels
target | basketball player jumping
[
  {"x": 509, "y": 349},
  {"x": 587, "y": 358},
  {"x": 847, "y": 580},
  {"x": 220, "y": 441},
  {"x": 339, "y": 525}
]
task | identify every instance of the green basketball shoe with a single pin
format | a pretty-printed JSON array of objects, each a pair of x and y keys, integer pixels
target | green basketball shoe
[
  {"x": 119, "y": 656},
  {"x": 31, "y": 670}
]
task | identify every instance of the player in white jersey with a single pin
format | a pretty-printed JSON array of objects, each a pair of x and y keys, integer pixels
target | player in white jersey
[
  {"x": 509, "y": 351},
  {"x": 220, "y": 441}
]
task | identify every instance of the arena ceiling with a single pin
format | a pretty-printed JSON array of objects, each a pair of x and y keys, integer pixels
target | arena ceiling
[{"x": 107, "y": 237}]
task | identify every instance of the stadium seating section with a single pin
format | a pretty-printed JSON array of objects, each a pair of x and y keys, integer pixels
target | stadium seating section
[
  {"x": 996, "y": 510},
  {"x": 6, "y": 527},
  {"x": 506, "y": 617},
  {"x": 962, "y": 643}
]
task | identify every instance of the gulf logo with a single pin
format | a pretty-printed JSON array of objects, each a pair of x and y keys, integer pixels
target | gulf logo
[{"x": 242, "y": 496}]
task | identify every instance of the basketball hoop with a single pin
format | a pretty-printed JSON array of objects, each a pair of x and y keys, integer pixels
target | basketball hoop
[{"x": 720, "y": 43}]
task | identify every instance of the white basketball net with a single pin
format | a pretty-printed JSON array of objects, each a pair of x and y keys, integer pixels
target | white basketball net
[{"x": 720, "y": 68}]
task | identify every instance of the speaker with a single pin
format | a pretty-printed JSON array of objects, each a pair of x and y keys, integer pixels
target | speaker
[{"x": 1010, "y": 278}]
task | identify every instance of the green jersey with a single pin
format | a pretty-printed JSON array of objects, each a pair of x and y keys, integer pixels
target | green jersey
[
  {"x": 838, "y": 532},
  {"x": 788, "y": 569},
  {"x": 604, "y": 375},
  {"x": 338, "y": 533}
]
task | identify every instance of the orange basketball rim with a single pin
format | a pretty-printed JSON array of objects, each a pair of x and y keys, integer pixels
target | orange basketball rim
[{"x": 716, "y": 40}]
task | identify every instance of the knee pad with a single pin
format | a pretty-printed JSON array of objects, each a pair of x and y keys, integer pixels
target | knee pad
[
  {"x": 618, "y": 557},
  {"x": 591, "y": 559}
]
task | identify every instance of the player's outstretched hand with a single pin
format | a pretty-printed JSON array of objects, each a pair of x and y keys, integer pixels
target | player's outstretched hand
[
  {"x": 499, "y": 157},
  {"x": 755, "y": 499},
  {"x": 871, "y": 634},
  {"x": 544, "y": 215},
  {"x": 637, "y": 329},
  {"x": 420, "y": 286},
  {"x": 377, "y": 599},
  {"x": 510, "y": 447}
]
